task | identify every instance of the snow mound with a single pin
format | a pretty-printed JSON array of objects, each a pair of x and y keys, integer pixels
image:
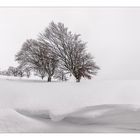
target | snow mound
[
  {"x": 100, "y": 118},
  {"x": 12, "y": 121},
  {"x": 105, "y": 114}
]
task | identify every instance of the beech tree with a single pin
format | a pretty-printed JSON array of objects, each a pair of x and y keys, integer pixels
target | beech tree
[
  {"x": 35, "y": 56},
  {"x": 70, "y": 50}
]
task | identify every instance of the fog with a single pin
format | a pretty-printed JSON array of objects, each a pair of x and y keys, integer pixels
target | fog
[{"x": 113, "y": 35}]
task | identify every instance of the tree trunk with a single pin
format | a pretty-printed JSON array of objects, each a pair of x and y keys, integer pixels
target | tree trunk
[
  {"x": 78, "y": 80},
  {"x": 28, "y": 75},
  {"x": 49, "y": 79},
  {"x": 42, "y": 77}
]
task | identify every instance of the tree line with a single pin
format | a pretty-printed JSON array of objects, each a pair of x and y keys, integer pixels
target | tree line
[{"x": 56, "y": 53}]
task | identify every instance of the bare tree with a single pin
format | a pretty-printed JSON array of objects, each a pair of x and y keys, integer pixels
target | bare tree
[
  {"x": 38, "y": 58},
  {"x": 60, "y": 75},
  {"x": 20, "y": 71},
  {"x": 40, "y": 73},
  {"x": 24, "y": 71},
  {"x": 4, "y": 72},
  {"x": 12, "y": 71},
  {"x": 27, "y": 71},
  {"x": 70, "y": 49}
]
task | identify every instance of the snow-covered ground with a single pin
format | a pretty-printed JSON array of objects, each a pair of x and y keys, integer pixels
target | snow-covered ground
[{"x": 89, "y": 106}]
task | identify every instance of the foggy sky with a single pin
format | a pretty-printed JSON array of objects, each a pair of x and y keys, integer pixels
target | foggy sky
[{"x": 113, "y": 35}]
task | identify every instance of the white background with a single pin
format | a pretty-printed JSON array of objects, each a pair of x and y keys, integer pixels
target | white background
[{"x": 70, "y": 3}]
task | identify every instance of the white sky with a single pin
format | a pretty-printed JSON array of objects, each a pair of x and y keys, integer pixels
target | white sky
[{"x": 113, "y": 35}]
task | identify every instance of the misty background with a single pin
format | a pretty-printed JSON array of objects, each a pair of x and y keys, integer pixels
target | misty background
[{"x": 113, "y": 35}]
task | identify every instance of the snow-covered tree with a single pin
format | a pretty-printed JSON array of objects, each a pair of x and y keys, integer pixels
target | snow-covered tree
[
  {"x": 35, "y": 56},
  {"x": 27, "y": 71},
  {"x": 20, "y": 72},
  {"x": 70, "y": 50},
  {"x": 4, "y": 72},
  {"x": 15, "y": 71},
  {"x": 60, "y": 75},
  {"x": 40, "y": 73},
  {"x": 12, "y": 71}
]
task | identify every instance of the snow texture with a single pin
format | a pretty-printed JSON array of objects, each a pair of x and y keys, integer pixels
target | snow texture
[{"x": 89, "y": 106}]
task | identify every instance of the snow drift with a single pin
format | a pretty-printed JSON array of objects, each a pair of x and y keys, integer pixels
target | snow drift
[{"x": 89, "y": 106}]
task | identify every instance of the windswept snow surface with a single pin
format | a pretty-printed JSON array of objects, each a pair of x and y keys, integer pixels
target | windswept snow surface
[{"x": 89, "y": 106}]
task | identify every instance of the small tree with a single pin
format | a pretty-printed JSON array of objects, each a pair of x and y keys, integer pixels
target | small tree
[
  {"x": 60, "y": 75},
  {"x": 41, "y": 73},
  {"x": 12, "y": 71},
  {"x": 4, "y": 72},
  {"x": 27, "y": 71},
  {"x": 70, "y": 49},
  {"x": 20, "y": 71}
]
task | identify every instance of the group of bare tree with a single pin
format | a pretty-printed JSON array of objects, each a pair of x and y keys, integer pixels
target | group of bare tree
[
  {"x": 16, "y": 72},
  {"x": 56, "y": 53}
]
